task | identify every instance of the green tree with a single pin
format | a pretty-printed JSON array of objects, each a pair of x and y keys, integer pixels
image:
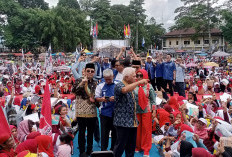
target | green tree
[
  {"x": 137, "y": 10},
  {"x": 33, "y": 4},
  {"x": 69, "y": 4},
  {"x": 101, "y": 14},
  {"x": 154, "y": 33},
  {"x": 197, "y": 14},
  {"x": 227, "y": 27},
  {"x": 86, "y": 5}
]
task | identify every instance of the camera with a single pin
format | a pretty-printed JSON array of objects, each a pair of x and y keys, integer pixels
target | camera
[{"x": 128, "y": 48}]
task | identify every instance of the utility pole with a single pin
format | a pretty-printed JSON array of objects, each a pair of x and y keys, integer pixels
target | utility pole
[
  {"x": 209, "y": 28},
  {"x": 137, "y": 34}
]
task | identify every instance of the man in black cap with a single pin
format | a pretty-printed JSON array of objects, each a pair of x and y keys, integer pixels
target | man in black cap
[
  {"x": 86, "y": 112},
  {"x": 136, "y": 64}
]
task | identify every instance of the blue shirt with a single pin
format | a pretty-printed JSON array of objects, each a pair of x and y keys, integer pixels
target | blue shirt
[
  {"x": 168, "y": 69},
  {"x": 105, "y": 66},
  {"x": 159, "y": 70},
  {"x": 79, "y": 66},
  {"x": 149, "y": 67},
  {"x": 104, "y": 90},
  {"x": 125, "y": 108}
]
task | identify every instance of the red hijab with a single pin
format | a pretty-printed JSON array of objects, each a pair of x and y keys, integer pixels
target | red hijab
[
  {"x": 15, "y": 138},
  {"x": 173, "y": 103},
  {"x": 142, "y": 98},
  {"x": 45, "y": 145},
  {"x": 30, "y": 144},
  {"x": 199, "y": 85},
  {"x": 163, "y": 117},
  {"x": 201, "y": 152},
  {"x": 168, "y": 108},
  {"x": 185, "y": 127},
  {"x": 175, "y": 113}
]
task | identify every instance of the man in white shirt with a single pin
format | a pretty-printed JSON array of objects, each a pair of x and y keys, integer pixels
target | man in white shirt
[{"x": 119, "y": 69}]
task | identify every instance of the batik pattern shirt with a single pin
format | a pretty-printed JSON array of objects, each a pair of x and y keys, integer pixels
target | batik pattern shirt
[
  {"x": 85, "y": 108},
  {"x": 125, "y": 107}
]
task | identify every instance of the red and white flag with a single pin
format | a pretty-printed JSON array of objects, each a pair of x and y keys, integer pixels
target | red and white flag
[
  {"x": 4, "y": 126},
  {"x": 45, "y": 126}
]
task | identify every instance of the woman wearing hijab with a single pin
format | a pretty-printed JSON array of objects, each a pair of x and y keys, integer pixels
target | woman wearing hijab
[
  {"x": 161, "y": 119},
  {"x": 185, "y": 149},
  {"x": 200, "y": 128},
  {"x": 146, "y": 101},
  {"x": 7, "y": 145},
  {"x": 8, "y": 88},
  {"x": 173, "y": 103},
  {"x": 30, "y": 144},
  {"x": 13, "y": 130},
  {"x": 45, "y": 145},
  {"x": 24, "y": 129}
]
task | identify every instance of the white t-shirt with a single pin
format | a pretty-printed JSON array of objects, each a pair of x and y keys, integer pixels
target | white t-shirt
[{"x": 119, "y": 77}]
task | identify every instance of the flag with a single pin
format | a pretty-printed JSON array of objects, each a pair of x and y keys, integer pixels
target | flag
[
  {"x": 45, "y": 126},
  {"x": 22, "y": 59},
  {"x": 148, "y": 53},
  {"x": 91, "y": 29},
  {"x": 143, "y": 42},
  {"x": 124, "y": 31},
  {"x": 22, "y": 55},
  {"x": 4, "y": 126},
  {"x": 96, "y": 30},
  {"x": 129, "y": 31}
]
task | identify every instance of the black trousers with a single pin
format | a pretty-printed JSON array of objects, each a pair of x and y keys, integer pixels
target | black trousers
[
  {"x": 153, "y": 83},
  {"x": 126, "y": 140},
  {"x": 180, "y": 88},
  {"x": 90, "y": 124},
  {"x": 159, "y": 83},
  {"x": 106, "y": 127},
  {"x": 96, "y": 131},
  {"x": 169, "y": 82}
]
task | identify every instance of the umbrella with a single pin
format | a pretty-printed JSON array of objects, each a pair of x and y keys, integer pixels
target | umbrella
[
  {"x": 29, "y": 54},
  {"x": 191, "y": 65},
  {"x": 220, "y": 54},
  {"x": 202, "y": 54},
  {"x": 211, "y": 64},
  {"x": 198, "y": 52},
  {"x": 86, "y": 51},
  {"x": 60, "y": 54},
  {"x": 180, "y": 51},
  {"x": 89, "y": 53},
  {"x": 62, "y": 68}
]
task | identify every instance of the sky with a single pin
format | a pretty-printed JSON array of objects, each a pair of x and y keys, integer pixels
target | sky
[{"x": 161, "y": 10}]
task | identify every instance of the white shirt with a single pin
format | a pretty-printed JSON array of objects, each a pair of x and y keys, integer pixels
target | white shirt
[{"x": 119, "y": 77}]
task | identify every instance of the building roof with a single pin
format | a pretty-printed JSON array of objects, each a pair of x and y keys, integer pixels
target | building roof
[{"x": 189, "y": 32}]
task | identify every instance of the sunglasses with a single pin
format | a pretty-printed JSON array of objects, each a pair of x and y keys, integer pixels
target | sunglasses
[
  {"x": 90, "y": 71},
  {"x": 83, "y": 55},
  {"x": 139, "y": 75}
]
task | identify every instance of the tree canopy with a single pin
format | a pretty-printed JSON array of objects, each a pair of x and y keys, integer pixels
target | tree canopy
[{"x": 29, "y": 24}]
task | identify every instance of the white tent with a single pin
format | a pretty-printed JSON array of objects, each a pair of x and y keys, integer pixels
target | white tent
[{"x": 220, "y": 54}]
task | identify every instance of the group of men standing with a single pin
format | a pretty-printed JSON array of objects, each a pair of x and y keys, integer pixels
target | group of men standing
[{"x": 114, "y": 96}]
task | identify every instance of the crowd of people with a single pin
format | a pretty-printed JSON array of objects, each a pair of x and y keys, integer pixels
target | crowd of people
[{"x": 136, "y": 104}]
